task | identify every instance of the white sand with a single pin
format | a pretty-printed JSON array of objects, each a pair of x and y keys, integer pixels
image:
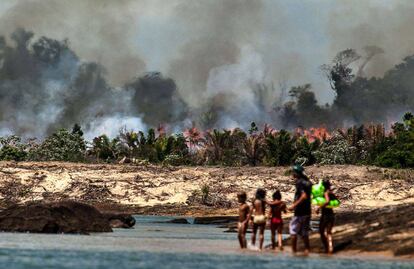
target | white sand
[{"x": 151, "y": 185}]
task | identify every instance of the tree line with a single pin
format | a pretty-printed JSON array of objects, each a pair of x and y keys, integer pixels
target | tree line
[{"x": 365, "y": 144}]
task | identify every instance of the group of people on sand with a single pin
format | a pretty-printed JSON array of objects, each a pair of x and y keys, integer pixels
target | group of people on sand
[{"x": 258, "y": 216}]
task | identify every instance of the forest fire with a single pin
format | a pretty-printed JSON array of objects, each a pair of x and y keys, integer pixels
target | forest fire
[
  {"x": 194, "y": 138},
  {"x": 320, "y": 133},
  {"x": 315, "y": 133}
]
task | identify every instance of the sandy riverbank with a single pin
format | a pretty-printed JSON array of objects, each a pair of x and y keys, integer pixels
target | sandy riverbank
[
  {"x": 375, "y": 215},
  {"x": 171, "y": 190}
]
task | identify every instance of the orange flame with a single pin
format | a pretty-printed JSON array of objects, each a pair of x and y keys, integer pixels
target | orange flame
[
  {"x": 314, "y": 133},
  {"x": 269, "y": 130}
]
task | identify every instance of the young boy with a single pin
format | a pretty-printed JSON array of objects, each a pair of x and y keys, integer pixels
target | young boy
[
  {"x": 259, "y": 219},
  {"x": 244, "y": 215},
  {"x": 277, "y": 206},
  {"x": 327, "y": 220}
]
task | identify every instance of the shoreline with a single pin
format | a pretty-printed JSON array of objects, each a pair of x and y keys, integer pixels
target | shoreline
[
  {"x": 383, "y": 256},
  {"x": 377, "y": 210},
  {"x": 386, "y": 233}
]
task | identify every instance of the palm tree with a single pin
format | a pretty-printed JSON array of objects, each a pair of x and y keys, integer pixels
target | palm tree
[
  {"x": 214, "y": 144},
  {"x": 254, "y": 149}
]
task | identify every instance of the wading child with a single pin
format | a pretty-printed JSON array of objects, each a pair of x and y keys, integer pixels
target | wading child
[
  {"x": 244, "y": 216},
  {"x": 259, "y": 217},
  {"x": 327, "y": 219},
  {"x": 277, "y": 206}
]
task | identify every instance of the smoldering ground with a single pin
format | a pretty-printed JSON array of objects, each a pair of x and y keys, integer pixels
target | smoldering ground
[{"x": 223, "y": 63}]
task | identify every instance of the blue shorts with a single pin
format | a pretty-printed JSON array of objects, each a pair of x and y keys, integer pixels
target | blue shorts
[{"x": 300, "y": 225}]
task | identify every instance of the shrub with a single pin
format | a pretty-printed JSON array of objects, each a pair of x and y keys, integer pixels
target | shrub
[
  {"x": 105, "y": 149},
  {"x": 254, "y": 149},
  {"x": 279, "y": 149},
  {"x": 224, "y": 147},
  {"x": 400, "y": 150},
  {"x": 335, "y": 151},
  {"x": 304, "y": 151},
  {"x": 205, "y": 191},
  {"x": 60, "y": 146},
  {"x": 12, "y": 149},
  {"x": 174, "y": 160}
]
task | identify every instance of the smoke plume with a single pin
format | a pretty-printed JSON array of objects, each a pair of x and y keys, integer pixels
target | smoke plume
[{"x": 220, "y": 63}]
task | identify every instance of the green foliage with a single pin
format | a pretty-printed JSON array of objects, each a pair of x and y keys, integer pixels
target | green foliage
[
  {"x": 307, "y": 111},
  {"x": 174, "y": 160},
  {"x": 12, "y": 149},
  {"x": 215, "y": 144},
  {"x": 173, "y": 147},
  {"x": 279, "y": 149},
  {"x": 304, "y": 151},
  {"x": 253, "y": 128},
  {"x": 205, "y": 191},
  {"x": 225, "y": 147},
  {"x": 400, "y": 150},
  {"x": 60, "y": 146},
  {"x": 336, "y": 150},
  {"x": 357, "y": 98},
  {"x": 357, "y": 145},
  {"x": 77, "y": 130},
  {"x": 233, "y": 150},
  {"x": 105, "y": 149},
  {"x": 254, "y": 149},
  {"x": 154, "y": 148}
]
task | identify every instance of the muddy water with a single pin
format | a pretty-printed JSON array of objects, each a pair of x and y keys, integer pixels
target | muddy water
[{"x": 157, "y": 245}]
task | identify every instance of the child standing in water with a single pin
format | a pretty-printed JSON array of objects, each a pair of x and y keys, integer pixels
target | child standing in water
[
  {"x": 327, "y": 219},
  {"x": 244, "y": 216},
  {"x": 259, "y": 219},
  {"x": 277, "y": 206}
]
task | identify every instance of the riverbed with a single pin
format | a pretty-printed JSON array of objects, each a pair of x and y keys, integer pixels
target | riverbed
[{"x": 152, "y": 243}]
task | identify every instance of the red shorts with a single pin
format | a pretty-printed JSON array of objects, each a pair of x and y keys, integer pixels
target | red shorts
[{"x": 275, "y": 221}]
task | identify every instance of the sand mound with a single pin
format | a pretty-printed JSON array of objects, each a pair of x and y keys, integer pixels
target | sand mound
[{"x": 359, "y": 187}]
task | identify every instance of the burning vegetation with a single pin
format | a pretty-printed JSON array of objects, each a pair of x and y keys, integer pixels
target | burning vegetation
[
  {"x": 366, "y": 144},
  {"x": 45, "y": 88}
]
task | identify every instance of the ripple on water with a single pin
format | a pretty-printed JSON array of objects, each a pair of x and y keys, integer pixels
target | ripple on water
[
  {"x": 157, "y": 245},
  {"x": 19, "y": 259}
]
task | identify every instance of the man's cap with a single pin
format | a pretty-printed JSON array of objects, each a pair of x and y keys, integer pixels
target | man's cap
[{"x": 297, "y": 168}]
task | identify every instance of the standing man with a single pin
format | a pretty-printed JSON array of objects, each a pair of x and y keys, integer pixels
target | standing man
[{"x": 300, "y": 224}]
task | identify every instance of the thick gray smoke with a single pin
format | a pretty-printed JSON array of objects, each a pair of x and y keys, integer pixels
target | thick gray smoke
[
  {"x": 44, "y": 86},
  {"x": 385, "y": 24},
  {"x": 218, "y": 30},
  {"x": 101, "y": 31},
  {"x": 223, "y": 63}
]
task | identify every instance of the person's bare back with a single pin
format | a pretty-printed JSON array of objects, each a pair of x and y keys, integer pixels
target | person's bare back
[
  {"x": 258, "y": 207},
  {"x": 276, "y": 210},
  {"x": 259, "y": 218}
]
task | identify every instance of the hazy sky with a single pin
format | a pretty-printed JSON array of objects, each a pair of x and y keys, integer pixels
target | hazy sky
[{"x": 293, "y": 38}]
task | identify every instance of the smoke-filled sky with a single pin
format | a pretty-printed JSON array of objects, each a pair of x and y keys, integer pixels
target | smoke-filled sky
[{"x": 215, "y": 51}]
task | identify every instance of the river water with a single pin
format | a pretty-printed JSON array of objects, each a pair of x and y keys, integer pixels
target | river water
[{"x": 152, "y": 244}]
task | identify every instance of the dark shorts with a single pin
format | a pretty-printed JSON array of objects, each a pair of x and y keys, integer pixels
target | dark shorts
[
  {"x": 300, "y": 225},
  {"x": 327, "y": 220}
]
